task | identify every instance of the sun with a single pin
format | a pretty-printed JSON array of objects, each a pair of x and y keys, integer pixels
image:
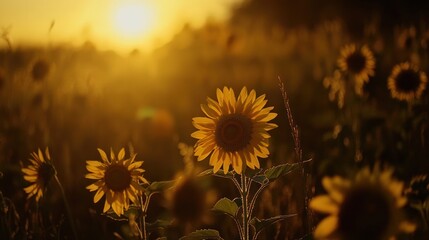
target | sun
[{"x": 133, "y": 19}]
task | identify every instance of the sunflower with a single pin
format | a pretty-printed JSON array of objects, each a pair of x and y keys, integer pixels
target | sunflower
[
  {"x": 369, "y": 207},
  {"x": 188, "y": 199},
  {"x": 39, "y": 173},
  {"x": 234, "y": 131},
  {"x": 40, "y": 69},
  {"x": 118, "y": 178},
  {"x": 406, "y": 82},
  {"x": 359, "y": 63},
  {"x": 406, "y": 38}
]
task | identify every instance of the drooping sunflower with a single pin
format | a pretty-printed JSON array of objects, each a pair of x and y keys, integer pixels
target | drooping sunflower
[
  {"x": 118, "y": 178},
  {"x": 234, "y": 131},
  {"x": 368, "y": 207},
  {"x": 406, "y": 82},
  {"x": 39, "y": 173},
  {"x": 359, "y": 63}
]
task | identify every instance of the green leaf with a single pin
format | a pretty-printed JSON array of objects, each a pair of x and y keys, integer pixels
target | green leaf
[
  {"x": 250, "y": 173},
  {"x": 218, "y": 174},
  {"x": 226, "y": 206},
  {"x": 279, "y": 171},
  {"x": 238, "y": 201},
  {"x": 133, "y": 209},
  {"x": 203, "y": 234},
  {"x": 155, "y": 187},
  {"x": 152, "y": 226},
  {"x": 260, "y": 224},
  {"x": 261, "y": 179}
]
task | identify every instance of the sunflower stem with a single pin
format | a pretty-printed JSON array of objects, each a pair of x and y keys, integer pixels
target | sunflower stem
[
  {"x": 244, "y": 198},
  {"x": 66, "y": 204},
  {"x": 255, "y": 197},
  {"x": 145, "y": 206}
]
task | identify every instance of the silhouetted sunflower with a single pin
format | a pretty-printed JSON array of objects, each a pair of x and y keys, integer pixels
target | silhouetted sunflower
[
  {"x": 369, "y": 207},
  {"x": 407, "y": 38},
  {"x": 358, "y": 63},
  {"x": 188, "y": 199},
  {"x": 39, "y": 173},
  {"x": 234, "y": 131},
  {"x": 40, "y": 69},
  {"x": 406, "y": 82},
  {"x": 118, "y": 178}
]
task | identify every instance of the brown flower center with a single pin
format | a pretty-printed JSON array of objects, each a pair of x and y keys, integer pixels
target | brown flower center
[
  {"x": 233, "y": 132},
  {"x": 117, "y": 177},
  {"x": 356, "y": 62},
  {"x": 365, "y": 213},
  {"x": 45, "y": 173},
  {"x": 407, "y": 81}
]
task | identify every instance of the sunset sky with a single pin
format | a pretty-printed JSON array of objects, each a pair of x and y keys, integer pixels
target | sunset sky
[{"x": 111, "y": 24}]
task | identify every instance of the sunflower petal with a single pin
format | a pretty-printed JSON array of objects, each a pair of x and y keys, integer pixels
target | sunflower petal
[
  {"x": 324, "y": 204},
  {"x": 326, "y": 227},
  {"x": 103, "y": 155}
]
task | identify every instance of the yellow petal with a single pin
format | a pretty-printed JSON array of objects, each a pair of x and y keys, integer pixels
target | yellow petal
[
  {"x": 218, "y": 164},
  {"x": 134, "y": 165},
  {"x": 28, "y": 171},
  {"x": 93, "y": 169},
  {"x": 41, "y": 155},
  {"x": 335, "y": 186},
  {"x": 95, "y": 163},
  {"x": 219, "y": 95},
  {"x": 214, "y": 105},
  {"x": 94, "y": 176},
  {"x": 226, "y": 163},
  {"x": 326, "y": 227},
  {"x": 324, "y": 204},
  {"x": 48, "y": 156},
  {"x": 121, "y": 154},
  {"x": 203, "y": 123},
  {"x": 103, "y": 155},
  {"x": 210, "y": 112},
  {"x": 237, "y": 164},
  {"x": 199, "y": 134},
  {"x": 30, "y": 178},
  {"x": 117, "y": 208},
  {"x": 407, "y": 227},
  {"x": 243, "y": 95},
  {"x": 112, "y": 155},
  {"x": 106, "y": 206},
  {"x": 98, "y": 195}
]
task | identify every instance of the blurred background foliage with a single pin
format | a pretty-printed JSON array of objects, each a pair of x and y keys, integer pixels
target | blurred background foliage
[{"x": 77, "y": 98}]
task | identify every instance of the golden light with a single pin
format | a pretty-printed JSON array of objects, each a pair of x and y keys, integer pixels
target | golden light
[{"x": 134, "y": 19}]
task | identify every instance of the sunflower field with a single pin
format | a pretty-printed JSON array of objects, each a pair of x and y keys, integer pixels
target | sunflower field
[{"x": 289, "y": 120}]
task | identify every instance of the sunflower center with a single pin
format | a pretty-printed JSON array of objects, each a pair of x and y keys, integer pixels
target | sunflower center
[
  {"x": 45, "y": 172},
  {"x": 356, "y": 62},
  {"x": 233, "y": 132},
  {"x": 117, "y": 177},
  {"x": 365, "y": 214},
  {"x": 407, "y": 81}
]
